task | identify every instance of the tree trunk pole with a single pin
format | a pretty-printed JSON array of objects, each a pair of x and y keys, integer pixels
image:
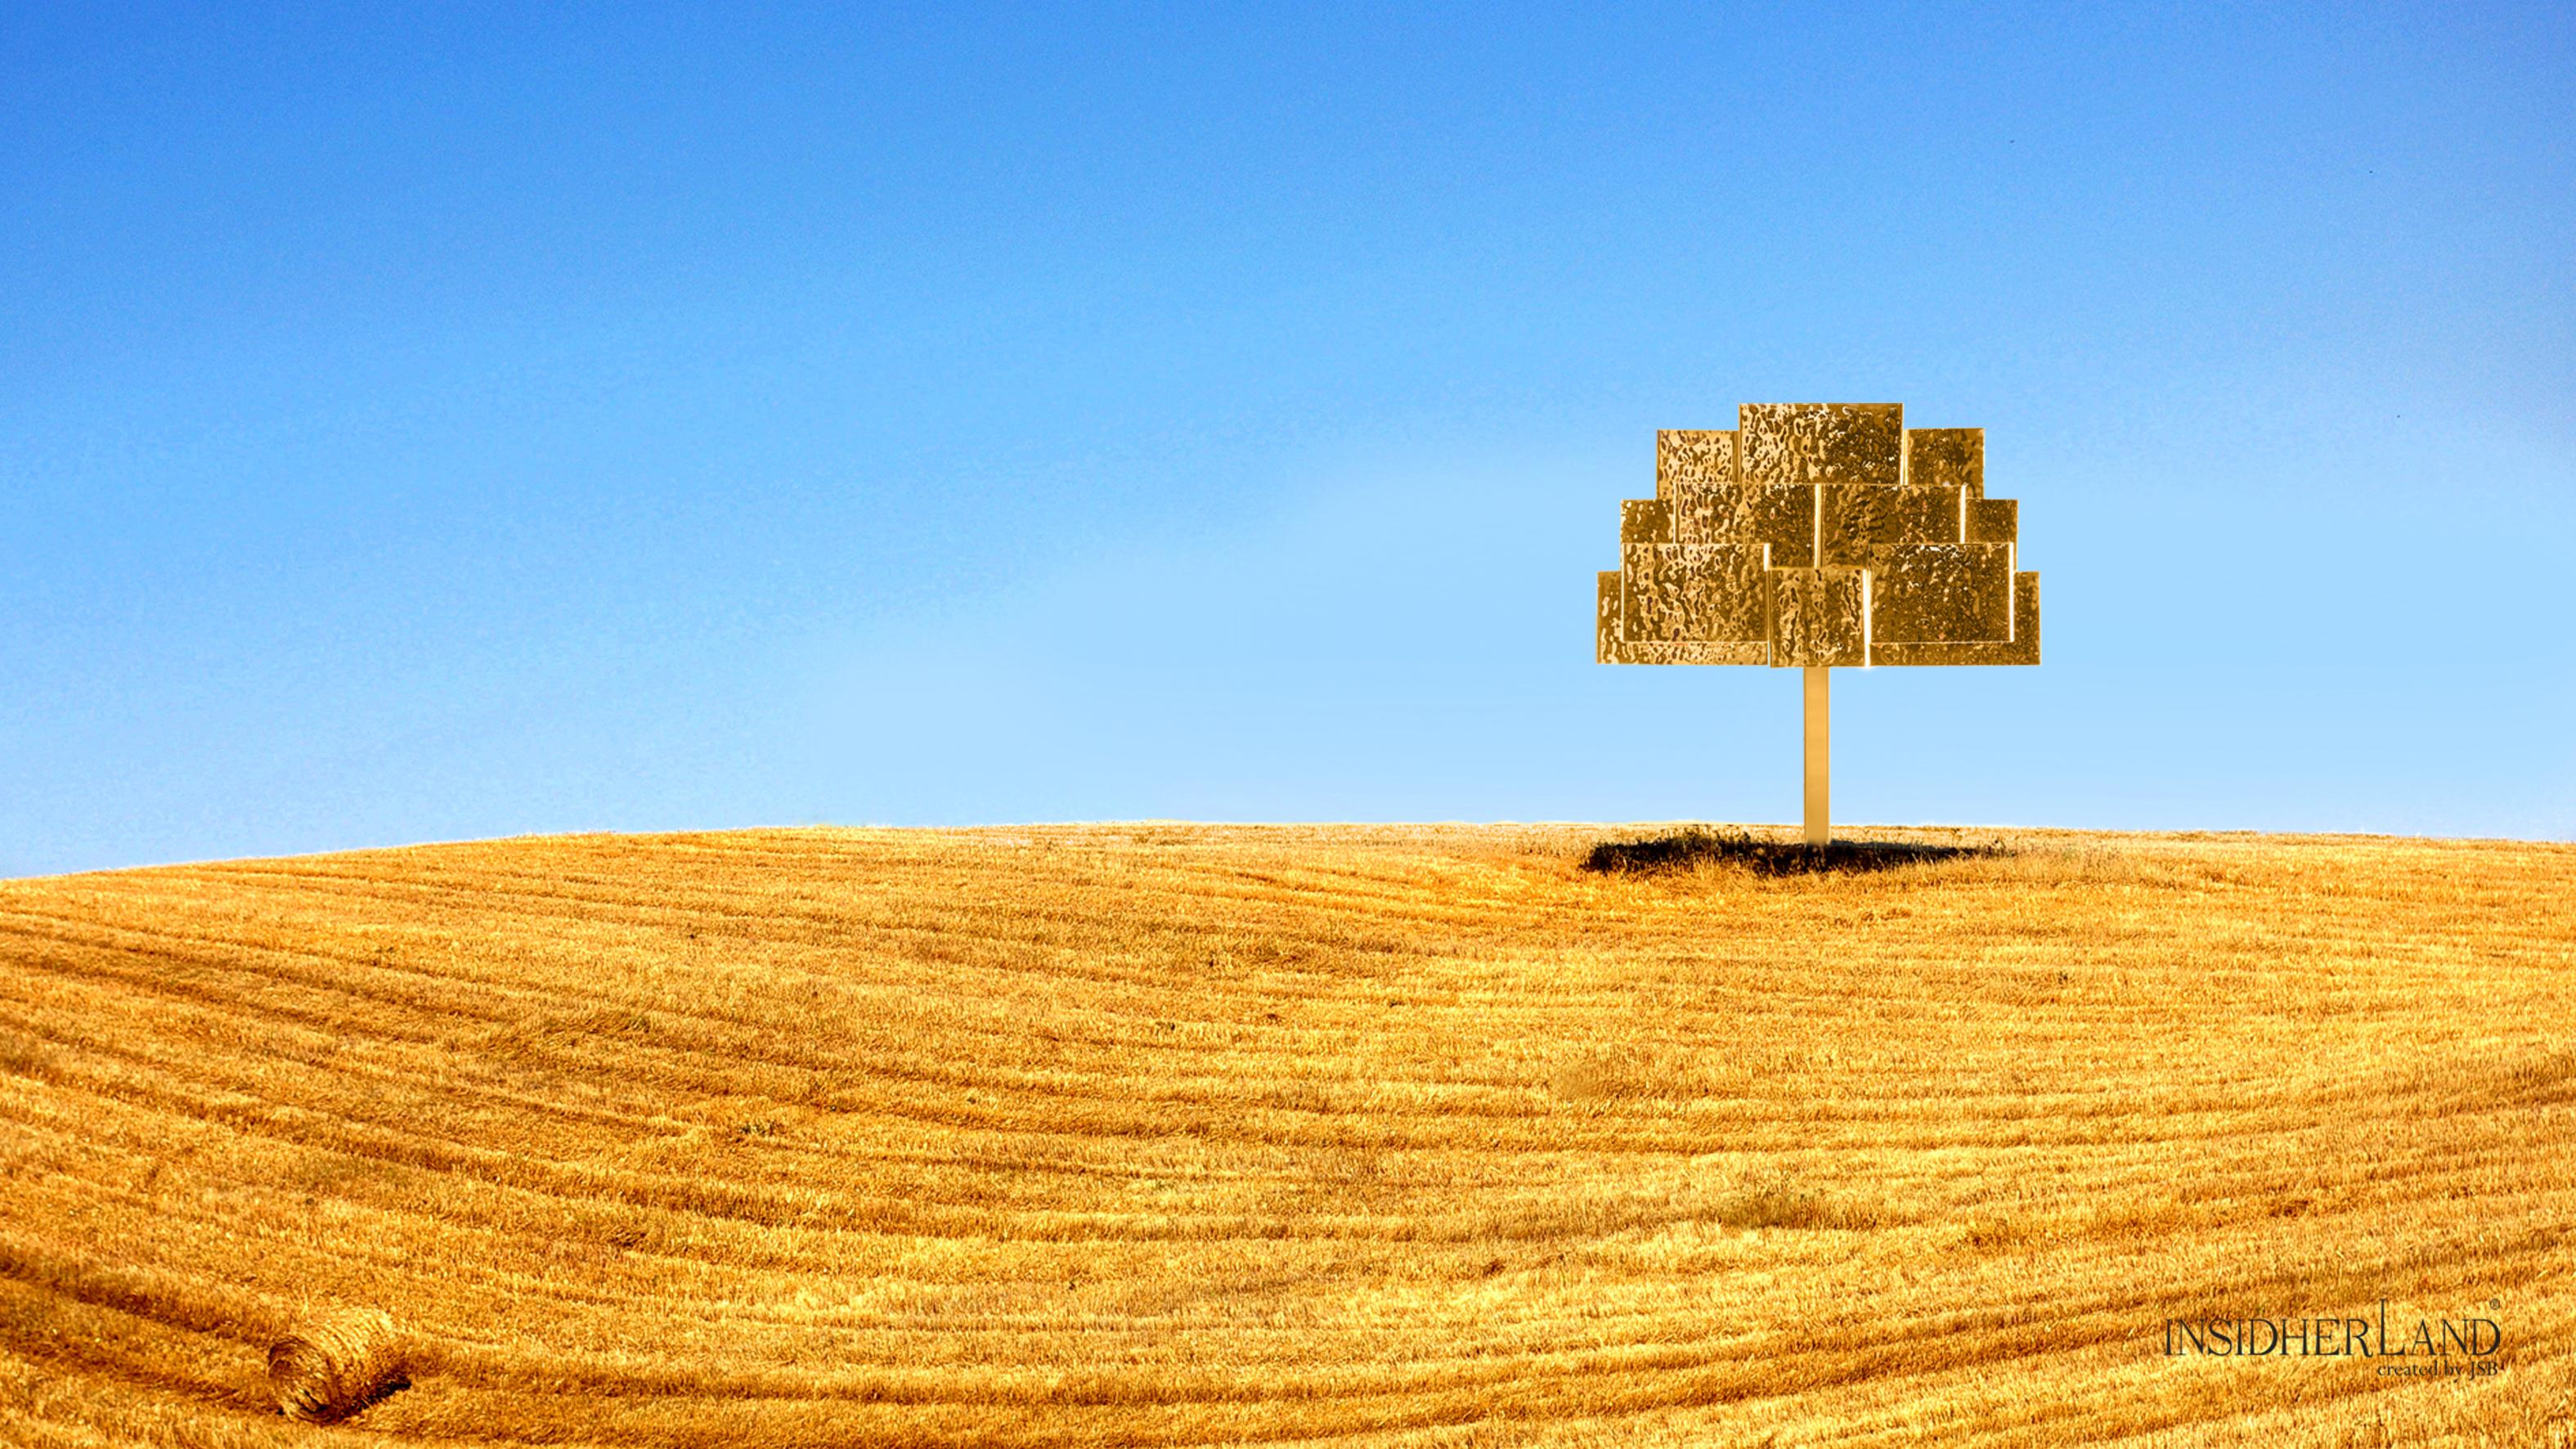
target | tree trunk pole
[{"x": 1820, "y": 827}]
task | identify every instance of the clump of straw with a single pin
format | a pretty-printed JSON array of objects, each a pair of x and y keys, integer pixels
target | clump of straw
[{"x": 336, "y": 1365}]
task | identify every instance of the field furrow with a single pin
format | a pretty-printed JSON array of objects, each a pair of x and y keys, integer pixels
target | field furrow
[{"x": 1380, "y": 1135}]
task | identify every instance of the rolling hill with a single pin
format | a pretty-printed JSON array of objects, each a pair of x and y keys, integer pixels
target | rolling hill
[{"x": 1353, "y": 1135}]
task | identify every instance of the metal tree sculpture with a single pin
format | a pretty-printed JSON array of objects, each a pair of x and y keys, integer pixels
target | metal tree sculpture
[{"x": 1819, "y": 536}]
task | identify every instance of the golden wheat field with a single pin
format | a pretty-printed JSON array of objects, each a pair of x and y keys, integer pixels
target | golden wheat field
[{"x": 1332, "y": 1135}]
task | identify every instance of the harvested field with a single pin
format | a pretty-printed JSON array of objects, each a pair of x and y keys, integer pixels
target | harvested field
[{"x": 1352, "y": 1135}]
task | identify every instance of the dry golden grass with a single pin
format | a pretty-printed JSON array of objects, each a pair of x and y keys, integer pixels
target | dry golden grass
[{"x": 1163, "y": 1135}]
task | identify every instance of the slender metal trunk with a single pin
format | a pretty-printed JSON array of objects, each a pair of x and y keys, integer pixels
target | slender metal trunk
[{"x": 1820, "y": 828}]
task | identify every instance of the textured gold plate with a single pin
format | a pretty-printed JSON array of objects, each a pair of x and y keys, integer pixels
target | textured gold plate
[
  {"x": 1821, "y": 442},
  {"x": 1946, "y": 458},
  {"x": 1819, "y": 617},
  {"x": 1933, "y": 593},
  {"x": 1693, "y": 456}
]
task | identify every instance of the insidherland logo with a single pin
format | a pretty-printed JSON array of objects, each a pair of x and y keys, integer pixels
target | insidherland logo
[{"x": 2424, "y": 1348}]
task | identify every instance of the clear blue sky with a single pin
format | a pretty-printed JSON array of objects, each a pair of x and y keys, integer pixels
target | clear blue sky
[{"x": 493, "y": 423}]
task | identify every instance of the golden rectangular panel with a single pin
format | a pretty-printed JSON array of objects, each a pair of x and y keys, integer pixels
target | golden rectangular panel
[
  {"x": 1712, "y": 513},
  {"x": 1653, "y": 601},
  {"x": 1849, "y": 518},
  {"x": 2021, "y": 648},
  {"x": 1705, "y": 456},
  {"x": 1687, "y": 591},
  {"x": 1820, "y": 442},
  {"x": 1946, "y": 458},
  {"x": 1941, "y": 593},
  {"x": 1858, "y": 517},
  {"x": 1605, "y": 621},
  {"x": 1784, "y": 516},
  {"x": 1994, "y": 520},
  {"x": 1637, "y": 557},
  {"x": 1819, "y": 617},
  {"x": 1926, "y": 515},
  {"x": 1644, "y": 520},
  {"x": 1724, "y": 587},
  {"x": 1838, "y": 617}
]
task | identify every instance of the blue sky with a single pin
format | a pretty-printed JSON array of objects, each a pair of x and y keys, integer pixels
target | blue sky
[{"x": 434, "y": 427}]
